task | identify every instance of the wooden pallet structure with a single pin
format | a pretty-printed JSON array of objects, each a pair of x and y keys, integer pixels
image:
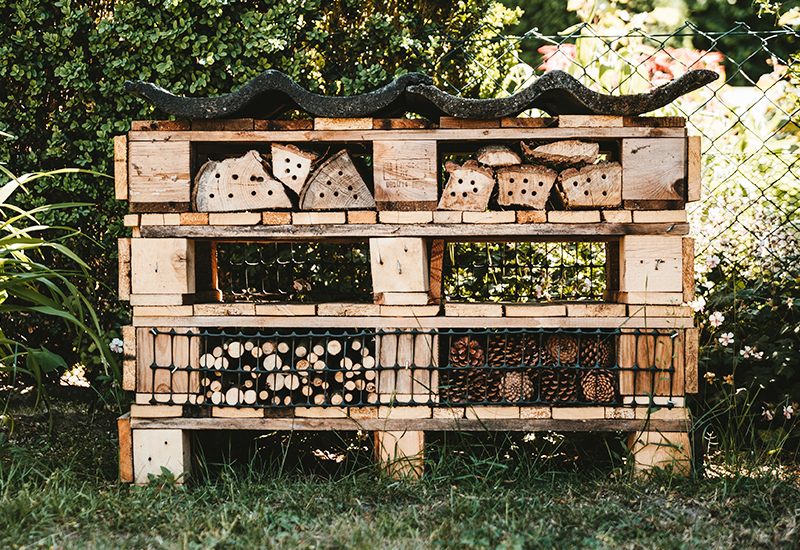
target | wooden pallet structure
[{"x": 410, "y": 361}]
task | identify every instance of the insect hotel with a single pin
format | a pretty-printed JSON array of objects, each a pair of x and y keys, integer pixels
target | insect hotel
[{"x": 471, "y": 270}]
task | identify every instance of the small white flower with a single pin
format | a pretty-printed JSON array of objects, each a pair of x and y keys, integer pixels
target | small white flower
[
  {"x": 538, "y": 291},
  {"x": 716, "y": 319},
  {"x": 713, "y": 261},
  {"x": 587, "y": 285},
  {"x": 767, "y": 414},
  {"x": 698, "y": 305},
  {"x": 758, "y": 355},
  {"x": 789, "y": 302},
  {"x": 788, "y": 410},
  {"x": 116, "y": 345},
  {"x": 726, "y": 339},
  {"x": 746, "y": 352}
]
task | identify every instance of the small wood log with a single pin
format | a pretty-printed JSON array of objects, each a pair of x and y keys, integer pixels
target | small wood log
[
  {"x": 276, "y": 381},
  {"x": 319, "y": 365},
  {"x": 302, "y": 364},
  {"x": 336, "y": 399},
  {"x": 339, "y": 377},
  {"x": 312, "y": 357},
  {"x": 468, "y": 188},
  {"x": 562, "y": 154},
  {"x": 346, "y": 363},
  {"x": 268, "y": 347},
  {"x": 350, "y": 385},
  {"x": 216, "y": 397},
  {"x": 215, "y": 386},
  {"x": 217, "y": 351},
  {"x": 497, "y": 155},
  {"x": 525, "y": 185},
  {"x": 596, "y": 185},
  {"x": 334, "y": 347},
  {"x": 319, "y": 399},
  {"x": 301, "y": 349},
  {"x": 248, "y": 384},
  {"x": 336, "y": 185},
  {"x": 235, "y": 185},
  {"x": 207, "y": 361},
  {"x": 368, "y": 361},
  {"x": 249, "y": 345},
  {"x": 283, "y": 347},
  {"x": 221, "y": 363},
  {"x": 235, "y": 349},
  {"x": 287, "y": 400},
  {"x": 233, "y": 396},
  {"x": 263, "y": 395},
  {"x": 308, "y": 391},
  {"x": 316, "y": 381},
  {"x": 256, "y": 352},
  {"x": 292, "y": 165},
  {"x": 372, "y": 398},
  {"x": 370, "y": 375},
  {"x": 272, "y": 362},
  {"x": 355, "y": 344},
  {"x": 360, "y": 384},
  {"x": 250, "y": 397},
  {"x": 292, "y": 382},
  {"x": 349, "y": 398}
]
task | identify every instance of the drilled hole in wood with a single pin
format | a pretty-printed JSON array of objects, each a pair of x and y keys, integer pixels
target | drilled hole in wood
[
  {"x": 299, "y": 165},
  {"x": 294, "y": 178},
  {"x": 533, "y": 193},
  {"x": 575, "y": 184},
  {"x": 452, "y": 193},
  {"x": 586, "y": 193},
  {"x": 230, "y": 195},
  {"x": 472, "y": 182},
  {"x": 355, "y": 196},
  {"x": 605, "y": 193},
  {"x": 288, "y": 170},
  {"x": 510, "y": 193},
  {"x": 321, "y": 195},
  {"x": 541, "y": 184},
  {"x": 288, "y": 160},
  {"x": 603, "y": 176},
  {"x": 349, "y": 187},
  {"x": 235, "y": 176},
  {"x": 335, "y": 193},
  {"x": 341, "y": 173},
  {"x": 211, "y": 196},
  {"x": 510, "y": 180},
  {"x": 216, "y": 175},
  {"x": 328, "y": 182},
  {"x": 253, "y": 193},
  {"x": 268, "y": 192},
  {"x": 474, "y": 189},
  {"x": 588, "y": 180},
  {"x": 259, "y": 179},
  {"x": 524, "y": 191},
  {"x": 525, "y": 180},
  {"x": 253, "y": 178},
  {"x": 464, "y": 194},
  {"x": 460, "y": 181}
]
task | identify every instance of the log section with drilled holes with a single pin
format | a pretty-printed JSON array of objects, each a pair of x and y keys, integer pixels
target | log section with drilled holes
[
  {"x": 593, "y": 186},
  {"x": 336, "y": 185},
  {"x": 292, "y": 165},
  {"x": 468, "y": 187},
  {"x": 562, "y": 154},
  {"x": 525, "y": 185}
]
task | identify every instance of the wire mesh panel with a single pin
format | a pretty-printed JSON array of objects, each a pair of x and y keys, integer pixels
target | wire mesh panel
[
  {"x": 346, "y": 368},
  {"x": 295, "y": 272},
  {"x": 525, "y": 271}
]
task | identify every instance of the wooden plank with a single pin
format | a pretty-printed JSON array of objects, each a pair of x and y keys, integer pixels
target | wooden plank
[
  {"x": 484, "y": 412},
  {"x": 400, "y": 123},
  {"x": 461, "y": 123},
  {"x": 342, "y": 123},
  {"x": 405, "y": 172},
  {"x": 694, "y": 158},
  {"x": 653, "y": 169},
  {"x": 386, "y": 354},
  {"x": 193, "y": 218},
  {"x": 160, "y": 299},
  {"x": 402, "y": 298},
  {"x": 585, "y": 216},
  {"x": 424, "y": 376},
  {"x": 447, "y": 216},
  {"x": 617, "y": 216},
  {"x": 665, "y": 357},
  {"x": 320, "y": 412},
  {"x": 426, "y": 317},
  {"x": 348, "y": 310},
  {"x": 403, "y": 378},
  {"x": 276, "y": 218},
  {"x": 393, "y": 216},
  {"x": 159, "y": 171},
  {"x": 236, "y": 185},
  {"x": 593, "y": 186},
  {"x": 289, "y": 310},
  {"x": 152, "y": 219},
  {"x": 234, "y": 218},
  {"x": 225, "y": 309},
  {"x": 590, "y": 121},
  {"x": 223, "y": 125},
  {"x": 655, "y": 121},
  {"x": 400, "y": 454},
  {"x": 647, "y": 349},
  {"x": 125, "y": 448},
  {"x": 233, "y": 412},
  {"x": 450, "y": 413},
  {"x": 688, "y": 270},
  {"x": 162, "y": 266},
  {"x": 468, "y": 187},
  {"x": 283, "y": 125},
  {"x": 442, "y": 421},
  {"x": 399, "y": 265},
  {"x": 497, "y": 155},
  {"x": 675, "y": 413},
  {"x": 318, "y": 218},
  {"x": 455, "y": 309},
  {"x": 206, "y": 272},
  {"x": 128, "y": 358},
  {"x": 172, "y": 219},
  {"x": 156, "y": 411},
  {"x": 659, "y": 216},
  {"x": 578, "y": 413},
  {"x": 157, "y": 449},
  {"x": 612, "y": 270},
  {"x": 145, "y": 356},
  {"x": 124, "y": 279},
  {"x": 161, "y": 125},
  {"x": 692, "y": 349},
  {"x": 520, "y": 122},
  {"x": 531, "y": 216},
  {"x": 362, "y": 216},
  {"x": 626, "y": 359},
  {"x": 490, "y": 217},
  {"x": 620, "y": 412},
  {"x": 651, "y": 264},
  {"x": 121, "y": 168},
  {"x": 679, "y": 364},
  {"x": 409, "y": 311},
  {"x": 453, "y": 134},
  {"x": 663, "y": 298},
  {"x": 562, "y": 154},
  {"x": 131, "y": 220},
  {"x": 163, "y": 311},
  {"x": 436, "y": 271},
  {"x": 305, "y": 229},
  {"x": 582, "y": 309},
  {"x": 657, "y": 400},
  {"x": 536, "y": 310},
  {"x": 651, "y": 310},
  {"x": 535, "y": 412}
]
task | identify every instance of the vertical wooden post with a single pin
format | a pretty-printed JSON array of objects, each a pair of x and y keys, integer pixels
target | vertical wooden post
[
  {"x": 156, "y": 449},
  {"x": 125, "y": 448},
  {"x": 400, "y": 454},
  {"x": 667, "y": 451}
]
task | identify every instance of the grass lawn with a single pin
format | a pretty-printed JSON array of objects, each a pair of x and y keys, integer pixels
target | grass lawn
[{"x": 58, "y": 490}]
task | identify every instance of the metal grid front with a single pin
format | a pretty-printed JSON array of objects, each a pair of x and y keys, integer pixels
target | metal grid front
[
  {"x": 294, "y": 272},
  {"x": 524, "y": 271},
  {"x": 354, "y": 368}
]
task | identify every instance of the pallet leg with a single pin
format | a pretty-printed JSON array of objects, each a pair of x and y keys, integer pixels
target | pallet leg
[
  {"x": 663, "y": 450},
  {"x": 156, "y": 449},
  {"x": 400, "y": 453},
  {"x": 125, "y": 448}
]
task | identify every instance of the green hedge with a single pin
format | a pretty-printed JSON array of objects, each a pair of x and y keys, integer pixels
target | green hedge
[{"x": 62, "y": 66}]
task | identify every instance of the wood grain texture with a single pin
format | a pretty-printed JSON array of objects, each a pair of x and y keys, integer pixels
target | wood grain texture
[
  {"x": 651, "y": 264},
  {"x": 160, "y": 448},
  {"x": 525, "y": 185},
  {"x": 121, "y": 168},
  {"x": 128, "y": 358},
  {"x": 125, "y": 448},
  {"x": 562, "y": 154},
  {"x": 694, "y": 158},
  {"x": 590, "y": 121},
  {"x": 692, "y": 348},
  {"x": 688, "y": 270},
  {"x": 405, "y": 171},
  {"x": 336, "y": 185},
  {"x": 400, "y": 454},
  {"x": 291, "y": 165},
  {"x": 236, "y": 185},
  {"x": 653, "y": 169},
  {"x": 435, "y": 271},
  {"x": 162, "y": 266},
  {"x": 468, "y": 187},
  {"x": 399, "y": 265},
  {"x": 593, "y": 186},
  {"x": 497, "y": 155},
  {"x": 159, "y": 171}
]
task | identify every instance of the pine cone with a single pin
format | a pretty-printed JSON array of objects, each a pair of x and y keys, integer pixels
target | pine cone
[
  {"x": 560, "y": 349},
  {"x": 597, "y": 351},
  {"x": 598, "y": 386},
  {"x": 464, "y": 352},
  {"x": 518, "y": 386},
  {"x": 531, "y": 347},
  {"x": 558, "y": 385}
]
